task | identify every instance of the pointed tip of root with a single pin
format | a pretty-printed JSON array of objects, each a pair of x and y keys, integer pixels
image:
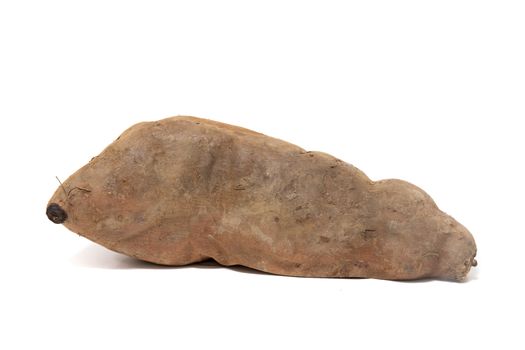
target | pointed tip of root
[{"x": 470, "y": 263}]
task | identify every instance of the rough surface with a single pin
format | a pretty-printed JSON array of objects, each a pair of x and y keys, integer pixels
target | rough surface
[{"x": 184, "y": 189}]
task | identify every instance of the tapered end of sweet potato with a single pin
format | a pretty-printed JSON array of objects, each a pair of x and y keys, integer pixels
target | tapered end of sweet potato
[{"x": 459, "y": 255}]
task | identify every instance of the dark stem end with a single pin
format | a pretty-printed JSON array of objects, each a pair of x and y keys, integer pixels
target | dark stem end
[{"x": 56, "y": 214}]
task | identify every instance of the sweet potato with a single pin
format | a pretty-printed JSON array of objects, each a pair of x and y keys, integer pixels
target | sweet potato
[{"x": 184, "y": 189}]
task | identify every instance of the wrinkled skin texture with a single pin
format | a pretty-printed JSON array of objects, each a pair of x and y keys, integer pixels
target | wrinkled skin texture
[{"x": 184, "y": 189}]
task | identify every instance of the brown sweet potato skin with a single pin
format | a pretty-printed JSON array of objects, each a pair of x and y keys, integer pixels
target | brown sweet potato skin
[{"x": 184, "y": 189}]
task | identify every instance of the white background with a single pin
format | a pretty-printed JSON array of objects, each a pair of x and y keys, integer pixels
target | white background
[{"x": 432, "y": 92}]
